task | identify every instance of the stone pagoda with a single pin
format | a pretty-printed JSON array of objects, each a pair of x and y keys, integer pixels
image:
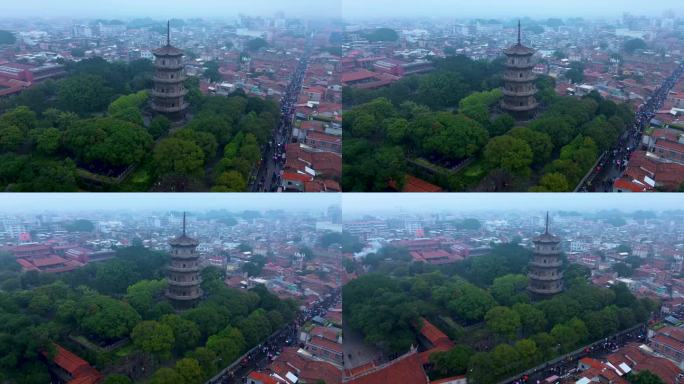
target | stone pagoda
[
  {"x": 519, "y": 89},
  {"x": 168, "y": 95},
  {"x": 184, "y": 271},
  {"x": 545, "y": 270}
]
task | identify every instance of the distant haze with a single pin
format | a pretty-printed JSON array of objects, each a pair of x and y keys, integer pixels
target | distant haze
[
  {"x": 380, "y": 203},
  {"x": 110, "y": 9},
  {"x": 504, "y": 8},
  {"x": 79, "y": 202}
]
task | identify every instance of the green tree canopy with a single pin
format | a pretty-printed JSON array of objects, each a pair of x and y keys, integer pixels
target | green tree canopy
[
  {"x": 382, "y": 34},
  {"x": 509, "y": 153},
  {"x": 117, "y": 379},
  {"x": 175, "y": 156},
  {"x": 256, "y": 44},
  {"x": 154, "y": 338},
  {"x": 105, "y": 318},
  {"x": 80, "y": 225},
  {"x": 503, "y": 321},
  {"x": 509, "y": 289},
  {"x": 84, "y": 94},
  {"x": 633, "y": 45},
  {"x": 167, "y": 375},
  {"x": 109, "y": 141}
]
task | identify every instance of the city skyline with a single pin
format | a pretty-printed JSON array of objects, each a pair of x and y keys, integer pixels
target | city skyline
[
  {"x": 359, "y": 9},
  {"x": 168, "y": 9},
  {"x": 359, "y": 204},
  {"x": 65, "y": 202}
]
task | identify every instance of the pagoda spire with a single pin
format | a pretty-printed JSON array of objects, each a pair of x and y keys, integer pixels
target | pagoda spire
[
  {"x": 183, "y": 223},
  {"x": 168, "y": 32},
  {"x": 547, "y": 222},
  {"x": 519, "y": 34}
]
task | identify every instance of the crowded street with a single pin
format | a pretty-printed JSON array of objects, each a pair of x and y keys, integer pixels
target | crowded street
[
  {"x": 273, "y": 160},
  {"x": 614, "y": 162},
  {"x": 553, "y": 372},
  {"x": 288, "y": 336}
]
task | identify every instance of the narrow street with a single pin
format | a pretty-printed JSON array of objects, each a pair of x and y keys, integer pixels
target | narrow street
[
  {"x": 568, "y": 365},
  {"x": 273, "y": 158},
  {"x": 616, "y": 159},
  {"x": 286, "y": 337}
]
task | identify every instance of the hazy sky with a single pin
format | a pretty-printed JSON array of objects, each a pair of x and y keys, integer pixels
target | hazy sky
[
  {"x": 110, "y": 9},
  {"x": 77, "y": 202},
  {"x": 354, "y": 204},
  {"x": 504, "y": 8},
  {"x": 332, "y": 8}
]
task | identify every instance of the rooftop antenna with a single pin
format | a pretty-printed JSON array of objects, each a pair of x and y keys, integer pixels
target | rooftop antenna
[
  {"x": 519, "y": 39},
  {"x": 168, "y": 32},
  {"x": 183, "y": 223},
  {"x": 547, "y": 222}
]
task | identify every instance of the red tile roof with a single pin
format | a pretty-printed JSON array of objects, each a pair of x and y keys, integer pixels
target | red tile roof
[
  {"x": 407, "y": 369},
  {"x": 350, "y": 372},
  {"x": 47, "y": 261},
  {"x": 414, "y": 184},
  {"x": 362, "y": 74},
  {"x": 668, "y": 341},
  {"x": 306, "y": 369},
  {"x": 26, "y": 264},
  {"x": 436, "y": 337},
  {"x": 319, "y": 136},
  {"x": 326, "y": 344},
  {"x": 670, "y": 145},
  {"x": 31, "y": 248},
  {"x": 262, "y": 377},
  {"x": 296, "y": 177},
  {"x": 638, "y": 360},
  {"x": 589, "y": 362},
  {"x": 673, "y": 332},
  {"x": 80, "y": 371},
  {"x": 640, "y": 166},
  {"x": 325, "y": 333}
]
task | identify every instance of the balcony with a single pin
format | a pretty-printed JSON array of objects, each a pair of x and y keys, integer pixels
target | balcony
[
  {"x": 180, "y": 93},
  {"x": 550, "y": 264},
  {"x": 191, "y": 256},
  {"x": 186, "y": 297},
  {"x": 169, "y": 67},
  {"x": 518, "y": 108},
  {"x": 163, "y": 109},
  {"x": 525, "y": 93},
  {"x": 517, "y": 79},
  {"x": 183, "y": 269},
  {"x": 535, "y": 276},
  {"x": 520, "y": 65},
  {"x": 184, "y": 283},
  {"x": 166, "y": 80},
  {"x": 551, "y": 252},
  {"x": 545, "y": 291}
]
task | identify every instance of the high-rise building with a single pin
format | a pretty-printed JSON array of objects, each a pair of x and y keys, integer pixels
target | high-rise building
[
  {"x": 184, "y": 271},
  {"x": 519, "y": 89},
  {"x": 169, "y": 92},
  {"x": 335, "y": 214},
  {"x": 546, "y": 267},
  {"x": 81, "y": 30}
]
